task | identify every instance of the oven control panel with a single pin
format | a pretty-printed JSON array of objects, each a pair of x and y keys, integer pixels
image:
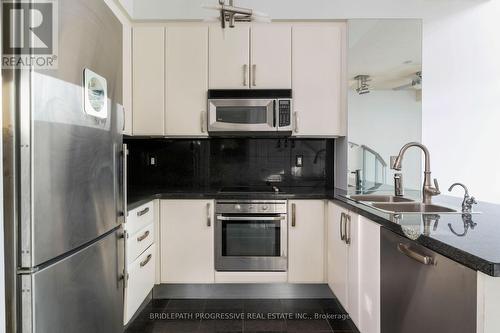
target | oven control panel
[
  {"x": 251, "y": 207},
  {"x": 284, "y": 108}
]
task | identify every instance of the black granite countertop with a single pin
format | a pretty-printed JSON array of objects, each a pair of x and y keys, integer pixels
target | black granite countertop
[
  {"x": 137, "y": 199},
  {"x": 476, "y": 246},
  {"x": 475, "y": 243}
]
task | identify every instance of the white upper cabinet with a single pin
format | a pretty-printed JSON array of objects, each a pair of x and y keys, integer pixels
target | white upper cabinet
[
  {"x": 229, "y": 52},
  {"x": 271, "y": 56},
  {"x": 186, "y": 81},
  {"x": 306, "y": 245},
  {"x": 148, "y": 80},
  {"x": 187, "y": 241},
  {"x": 318, "y": 83}
]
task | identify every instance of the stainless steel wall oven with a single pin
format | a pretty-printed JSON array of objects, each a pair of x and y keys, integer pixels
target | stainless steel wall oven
[{"x": 251, "y": 235}]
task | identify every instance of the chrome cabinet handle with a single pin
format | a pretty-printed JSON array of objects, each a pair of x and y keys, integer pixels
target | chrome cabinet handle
[
  {"x": 148, "y": 259},
  {"x": 143, "y": 237},
  {"x": 254, "y": 70},
  {"x": 202, "y": 122},
  {"x": 142, "y": 212},
  {"x": 123, "y": 124},
  {"x": 404, "y": 249},
  {"x": 293, "y": 215},
  {"x": 245, "y": 71},
  {"x": 209, "y": 217},
  {"x": 348, "y": 229},
  {"x": 296, "y": 122},
  {"x": 342, "y": 226}
]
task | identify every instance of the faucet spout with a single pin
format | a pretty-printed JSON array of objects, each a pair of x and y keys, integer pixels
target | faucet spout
[{"x": 428, "y": 191}]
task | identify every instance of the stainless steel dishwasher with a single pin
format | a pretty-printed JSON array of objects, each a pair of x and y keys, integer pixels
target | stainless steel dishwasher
[{"x": 422, "y": 291}]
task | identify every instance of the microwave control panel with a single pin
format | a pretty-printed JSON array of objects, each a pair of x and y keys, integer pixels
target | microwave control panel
[{"x": 284, "y": 112}]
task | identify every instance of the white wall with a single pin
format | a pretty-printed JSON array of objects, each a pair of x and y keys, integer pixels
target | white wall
[
  {"x": 397, "y": 118},
  {"x": 462, "y": 99},
  {"x": 461, "y": 67}
]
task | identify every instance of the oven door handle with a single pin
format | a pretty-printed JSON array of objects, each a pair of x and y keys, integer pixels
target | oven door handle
[{"x": 250, "y": 218}]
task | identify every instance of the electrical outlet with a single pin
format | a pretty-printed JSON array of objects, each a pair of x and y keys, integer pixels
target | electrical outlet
[{"x": 299, "y": 160}]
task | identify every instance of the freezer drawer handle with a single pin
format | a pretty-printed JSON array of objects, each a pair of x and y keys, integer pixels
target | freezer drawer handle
[
  {"x": 415, "y": 256},
  {"x": 142, "y": 212},
  {"x": 143, "y": 237},
  {"x": 148, "y": 259}
]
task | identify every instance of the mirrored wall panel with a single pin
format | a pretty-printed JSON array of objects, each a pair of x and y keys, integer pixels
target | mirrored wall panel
[{"x": 384, "y": 101}]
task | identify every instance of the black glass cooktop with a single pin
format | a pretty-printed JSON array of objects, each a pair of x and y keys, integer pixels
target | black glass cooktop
[{"x": 247, "y": 189}]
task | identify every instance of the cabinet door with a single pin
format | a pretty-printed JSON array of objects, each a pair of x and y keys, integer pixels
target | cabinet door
[
  {"x": 369, "y": 276},
  {"x": 337, "y": 254},
  {"x": 352, "y": 231},
  {"x": 271, "y": 56},
  {"x": 148, "y": 80},
  {"x": 187, "y": 241},
  {"x": 317, "y": 52},
  {"x": 187, "y": 80},
  {"x": 306, "y": 234},
  {"x": 229, "y": 51}
]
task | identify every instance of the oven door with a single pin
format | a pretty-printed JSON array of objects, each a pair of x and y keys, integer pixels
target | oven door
[
  {"x": 251, "y": 243},
  {"x": 241, "y": 115}
]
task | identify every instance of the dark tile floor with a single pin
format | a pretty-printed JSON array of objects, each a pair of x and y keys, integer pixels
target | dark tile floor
[{"x": 253, "y": 315}]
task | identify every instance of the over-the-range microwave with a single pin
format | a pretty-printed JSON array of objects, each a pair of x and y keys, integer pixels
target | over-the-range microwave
[{"x": 250, "y": 112}]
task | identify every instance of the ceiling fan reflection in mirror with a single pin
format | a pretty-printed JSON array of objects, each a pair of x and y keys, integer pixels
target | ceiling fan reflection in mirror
[{"x": 230, "y": 14}]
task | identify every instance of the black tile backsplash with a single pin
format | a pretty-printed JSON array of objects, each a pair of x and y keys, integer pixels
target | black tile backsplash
[{"x": 197, "y": 165}]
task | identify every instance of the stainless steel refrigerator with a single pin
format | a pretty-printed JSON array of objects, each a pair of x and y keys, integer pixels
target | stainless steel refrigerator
[{"x": 62, "y": 181}]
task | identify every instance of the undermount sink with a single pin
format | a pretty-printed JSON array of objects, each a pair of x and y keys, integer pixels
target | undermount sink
[
  {"x": 413, "y": 207},
  {"x": 379, "y": 198}
]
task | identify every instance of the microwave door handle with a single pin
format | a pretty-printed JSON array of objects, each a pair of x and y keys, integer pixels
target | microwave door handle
[{"x": 274, "y": 113}]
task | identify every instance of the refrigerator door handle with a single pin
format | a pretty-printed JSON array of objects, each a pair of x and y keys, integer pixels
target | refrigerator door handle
[
  {"x": 125, "y": 264},
  {"x": 124, "y": 181}
]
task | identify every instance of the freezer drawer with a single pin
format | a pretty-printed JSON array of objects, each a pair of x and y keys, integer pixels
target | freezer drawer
[
  {"x": 140, "y": 241},
  {"x": 141, "y": 280},
  {"x": 422, "y": 291},
  {"x": 79, "y": 294}
]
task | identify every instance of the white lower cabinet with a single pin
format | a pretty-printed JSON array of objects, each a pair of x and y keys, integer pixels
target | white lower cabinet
[
  {"x": 306, "y": 241},
  {"x": 141, "y": 279},
  {"x": 141, "y": 256},
  {"x": 187, "y": 241},
  {"x": 369, "y": 276},
  {"x": 353, "y": 257}
]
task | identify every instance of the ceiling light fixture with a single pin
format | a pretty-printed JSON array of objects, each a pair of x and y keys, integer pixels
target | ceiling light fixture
[
  {"x": 363, "y": 85},
  {"x": 415, "y": 82},
  {"x": 230, "y": 14}
]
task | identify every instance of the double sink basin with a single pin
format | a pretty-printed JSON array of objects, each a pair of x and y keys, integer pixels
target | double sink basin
[{"x": 399, "y": 205}]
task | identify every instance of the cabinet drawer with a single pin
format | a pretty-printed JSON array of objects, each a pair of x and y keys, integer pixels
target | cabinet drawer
[
  {"x": 140, "y": 241},
  {"x": 139, "y": 218},
  {"x": 141, "y": 279}
]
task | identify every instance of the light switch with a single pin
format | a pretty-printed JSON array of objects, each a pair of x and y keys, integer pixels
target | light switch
[{"x": 299, "y": 160}]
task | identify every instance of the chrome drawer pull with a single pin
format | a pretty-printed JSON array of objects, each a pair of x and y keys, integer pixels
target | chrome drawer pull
[
  {"x": 348, "y": 229},
  {"x": 142, "y": 212},
  {"x": 143, "y": 237},
  {"x": 293, "y": 215},
  {"x": 415, "y": 256},
  {"x": 145, "y": 262},
  {"x": 342, "y": 226}
]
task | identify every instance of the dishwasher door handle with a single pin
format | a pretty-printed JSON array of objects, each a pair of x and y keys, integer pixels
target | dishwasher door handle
[{"x": 426, "y": 260}]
